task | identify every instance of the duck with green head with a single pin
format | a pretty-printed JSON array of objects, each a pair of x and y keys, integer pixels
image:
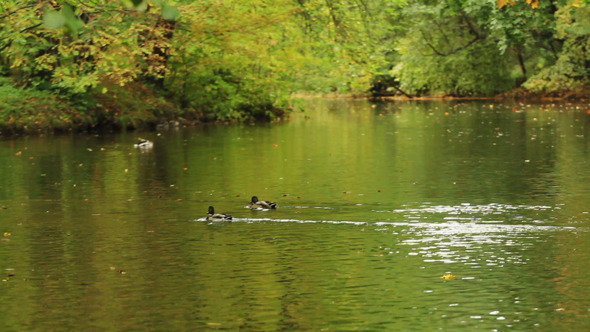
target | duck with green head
[
  {"x": 212, "y": 216},
  {"x": 256, "y": 204}
]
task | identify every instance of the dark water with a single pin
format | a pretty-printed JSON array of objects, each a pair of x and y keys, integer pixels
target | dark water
[{"x": 376, "y": 202}]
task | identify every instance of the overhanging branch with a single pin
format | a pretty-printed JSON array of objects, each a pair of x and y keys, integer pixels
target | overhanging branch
[{"x": 455, "y": 50}]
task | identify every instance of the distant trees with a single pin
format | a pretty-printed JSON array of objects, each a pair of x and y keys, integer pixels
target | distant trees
[
  {"x": 487, "y": 47},
  {"x": 229, "y": 59},
  {"x": 571, "y": 68},
  {"x": 474, "y": 47}
]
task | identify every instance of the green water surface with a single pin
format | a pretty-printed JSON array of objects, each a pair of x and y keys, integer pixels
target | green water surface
[{"x": 377, "y": 200}]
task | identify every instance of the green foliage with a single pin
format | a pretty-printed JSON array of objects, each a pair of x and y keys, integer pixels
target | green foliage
[
  {"x": 26, "y": 110},
  {"x": 231, "y": 66},
  {"x": 466, "y": 72},
  {"x": 346, "y": 43},
  {"x": 63, "y": 18},
  {"x": 53, "y": 48},
  {"x": 235, "y": 60},
  {"x": 31, "y": 110},
  {"x": 473, "y": 47},
  {"x": 572, "y": 69},
  {"x": 227, "y": 60}
]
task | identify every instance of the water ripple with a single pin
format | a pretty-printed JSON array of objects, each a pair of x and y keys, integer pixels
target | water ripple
[
  {"x": 467, "y": 208},
  {"x": 448, "y": 228}
]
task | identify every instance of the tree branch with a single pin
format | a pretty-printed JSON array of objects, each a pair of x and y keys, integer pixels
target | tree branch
[
  {"x": 476, "y": 38},
  {"x": 472, "y": 27},
  {"x": 469, "y": 25},
  {"x": 23, "y": 30},
  {"x": 402, "y": 91},
  {"x": 16, "y": 11}
]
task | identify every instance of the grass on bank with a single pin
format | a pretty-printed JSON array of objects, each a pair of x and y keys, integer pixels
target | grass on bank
[
  {"x": 28, "y": 110},
  {"x": 110, "y": 107}
]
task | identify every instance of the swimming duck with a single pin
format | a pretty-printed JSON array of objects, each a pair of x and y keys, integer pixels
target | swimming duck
[
  {"x": 212, "y": 216},
  {"x": 144, "y": 144},
  {"x": 256, "y": 204}
]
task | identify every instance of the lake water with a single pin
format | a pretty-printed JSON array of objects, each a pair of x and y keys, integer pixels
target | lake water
[{"x": 377, "y": 201}]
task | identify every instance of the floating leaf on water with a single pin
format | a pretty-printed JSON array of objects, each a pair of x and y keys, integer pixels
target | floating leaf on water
[{"x": 448, "y": 276}]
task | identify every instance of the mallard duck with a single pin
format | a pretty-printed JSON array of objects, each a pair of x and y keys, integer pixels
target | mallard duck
[
  {"x": 144, "y": 144},
  {"x": 212, "y": 216},
  {"x": 256, "y": 204}
]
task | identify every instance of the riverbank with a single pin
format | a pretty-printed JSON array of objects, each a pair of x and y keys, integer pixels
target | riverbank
[
  {"x": 138, "y": 106},
  {"x": 520, "y": 93},
  {"x": 113, "y": 108},
  {"x": 30, "y": 111}
]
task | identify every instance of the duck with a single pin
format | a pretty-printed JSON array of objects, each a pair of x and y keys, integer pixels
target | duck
[
  {"x": 256, "y": 204},
  {"x": 212, "y": 216},
  {"x": 144, "y": 144}
]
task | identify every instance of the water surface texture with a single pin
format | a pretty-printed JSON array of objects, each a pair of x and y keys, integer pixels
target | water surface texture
[{"x": 377, "y": 201}]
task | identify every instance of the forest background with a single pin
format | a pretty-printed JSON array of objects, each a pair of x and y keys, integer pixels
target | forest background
[{"x": 83, "y": 64}]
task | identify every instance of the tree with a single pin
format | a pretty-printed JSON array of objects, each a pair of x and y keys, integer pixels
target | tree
[
  {"x": 572, "y": 68},
  {"x": 82, "y": 44},
  {"x": 469, "y": 47}
]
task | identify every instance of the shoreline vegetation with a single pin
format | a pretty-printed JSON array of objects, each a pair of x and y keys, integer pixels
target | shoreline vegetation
[
  {"x": 26, "y": 112},
  {"x": 70, "y": 65},
  {"x": 34, "y": 112}
]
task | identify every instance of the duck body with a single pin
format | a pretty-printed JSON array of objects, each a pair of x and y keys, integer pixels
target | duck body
[
  {"x": 212, "y": 216},
  {"x": 256, "y": 204},
  {"x": 144, "y": 144}
]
